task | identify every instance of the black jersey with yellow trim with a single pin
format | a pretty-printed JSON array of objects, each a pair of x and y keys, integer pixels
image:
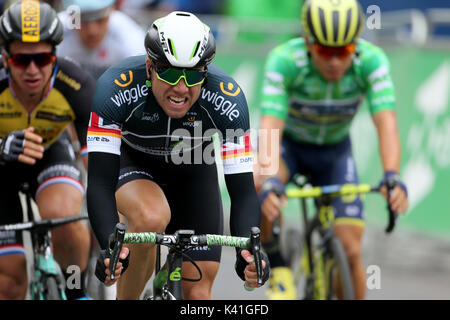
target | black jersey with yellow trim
[
  {"x": 69, "y": 100},
  {"x": 125, "y": 110}
]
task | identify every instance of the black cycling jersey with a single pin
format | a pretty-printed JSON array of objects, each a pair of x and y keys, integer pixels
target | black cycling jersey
[{"x": 125, "y": 110}]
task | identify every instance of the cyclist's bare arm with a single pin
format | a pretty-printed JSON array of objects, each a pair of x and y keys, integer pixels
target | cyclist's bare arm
[
  {"x": 270, "y": 163},
  {"x": 390, "y": 151},
  {"x": 269, "y": 149}
]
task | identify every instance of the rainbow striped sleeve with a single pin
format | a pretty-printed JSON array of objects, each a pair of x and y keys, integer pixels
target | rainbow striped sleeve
[
  {"x": 103, "y": 137},
  {"x": 238, "y": 157}
]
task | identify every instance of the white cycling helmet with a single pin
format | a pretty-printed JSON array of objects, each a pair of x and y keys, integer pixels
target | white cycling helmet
[{"x": 180, "y": 39}]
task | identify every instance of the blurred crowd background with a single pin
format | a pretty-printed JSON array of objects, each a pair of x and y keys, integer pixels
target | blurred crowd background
[{"x": 415, "y": 34}]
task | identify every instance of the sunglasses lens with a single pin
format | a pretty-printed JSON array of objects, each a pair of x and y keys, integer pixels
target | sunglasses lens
[
  {"x": 194, "y": 77},
  {"x": 21, "y": 60},
  {"x": 43, "y": 59},
  {"x": 173, "y": 75},
  {"x": 170, "y": 75},
  {"x": 329, "y": 52}
]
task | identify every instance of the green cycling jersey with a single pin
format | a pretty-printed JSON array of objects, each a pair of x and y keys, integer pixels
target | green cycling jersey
[{"x": 315, "y": 110}]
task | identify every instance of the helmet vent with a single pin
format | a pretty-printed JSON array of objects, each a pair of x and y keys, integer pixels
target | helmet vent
[
  {"x": 194, "y": 52},
  {"x": 172, "y": 48},
  {"x": 183, "y": 14}
]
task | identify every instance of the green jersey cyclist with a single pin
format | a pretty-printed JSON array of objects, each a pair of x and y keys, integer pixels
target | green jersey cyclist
[
  {"x": 312, "y": 89},
  {"x": 151, "y": 154}
]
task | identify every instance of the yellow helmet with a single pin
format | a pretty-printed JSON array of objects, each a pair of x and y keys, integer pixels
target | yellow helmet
[{"x": 332, "y": 23}]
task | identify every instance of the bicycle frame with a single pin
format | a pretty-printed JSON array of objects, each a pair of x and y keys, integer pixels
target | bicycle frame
[
  {"x": 316, "y": 287},
  {"x": 44, "y": 267},
  {"x": 322, "y": 222},
  {"x": 44, "y": 264},
  {"x": 167, "y": 281}
]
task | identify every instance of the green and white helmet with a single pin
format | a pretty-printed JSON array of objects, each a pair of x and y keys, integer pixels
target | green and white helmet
[{"x": 181, "y": 40}]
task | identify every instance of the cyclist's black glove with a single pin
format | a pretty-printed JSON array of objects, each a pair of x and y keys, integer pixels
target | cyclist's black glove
[
  {"x": 100, "y": 268},
  {"x": 240, "y": 265},
  {"x": 392, "y": 175},
  {"x": 12, "y": 146},
  {"x": 273, "y": 184}
]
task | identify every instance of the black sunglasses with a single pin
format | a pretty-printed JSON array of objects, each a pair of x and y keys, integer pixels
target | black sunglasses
[{"x": 23, "y": 60}]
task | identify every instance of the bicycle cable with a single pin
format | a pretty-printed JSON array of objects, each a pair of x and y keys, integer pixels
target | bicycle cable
[{"x": 191, "y": 261}]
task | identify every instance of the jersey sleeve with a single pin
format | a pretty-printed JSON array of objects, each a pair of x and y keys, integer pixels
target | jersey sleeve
[
  {"x": 380, "y": 88},
  {"x": 104, "y": 132},
  {"x": 78, "y": 87},
  {"x": 82, "y": 109},
  {"x": 228, "y": 109},
  {"x": 275, "y": 88}
]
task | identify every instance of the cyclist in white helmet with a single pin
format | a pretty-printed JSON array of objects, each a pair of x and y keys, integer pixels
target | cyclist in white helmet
[
  {"x": 151, "y": 155},
  {"x": 104, "y": 37}
]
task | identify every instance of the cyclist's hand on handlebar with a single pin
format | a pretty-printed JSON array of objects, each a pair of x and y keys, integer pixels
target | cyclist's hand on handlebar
[
  {"x": 272, "y": 197},
  {"x": 246, "y": 268},
  {"x": 23, "y": 146},
  {"x": 272, "y": 205},
  {"x": 102, "y": 266},
  {"x": 398, "y": 200}
]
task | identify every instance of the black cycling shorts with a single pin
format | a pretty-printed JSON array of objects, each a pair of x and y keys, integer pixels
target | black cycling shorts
[
  {"x": 192, "y": 192},
  {"x": 57, "y": 166}
]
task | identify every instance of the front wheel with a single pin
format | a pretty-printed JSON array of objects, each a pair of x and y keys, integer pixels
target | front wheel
[{"x": 340, "y": 281}]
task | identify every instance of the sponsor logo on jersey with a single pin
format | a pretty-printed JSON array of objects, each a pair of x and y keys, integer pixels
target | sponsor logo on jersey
[
  {"x": 15, "y": 114},
  {"x": 68, "y": 80},
  {"x": 53, "y": 117},
  {"x": 191, "y": 122},
  {"x": 150, "y": 117},
  {"x": 124, "y": 82},
  {"x": 30, "y": 21},
  {"x": 222, "y": 105},
  {"x": 130, "y": 95},
  {"x": 229, "y": 90}
]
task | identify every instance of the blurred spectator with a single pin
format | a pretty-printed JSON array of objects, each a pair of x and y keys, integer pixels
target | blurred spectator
[{"x": 104, "y": 37}]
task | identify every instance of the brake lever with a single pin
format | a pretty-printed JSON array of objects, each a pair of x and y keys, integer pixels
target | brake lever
[
  {"x": 390, "y": 185},
  {"x": 115, "y": 246},
  {"x": 255, "y": 243}
]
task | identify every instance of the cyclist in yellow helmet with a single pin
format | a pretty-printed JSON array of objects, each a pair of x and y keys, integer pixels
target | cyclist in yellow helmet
[{"x": 313, "y": 87}]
